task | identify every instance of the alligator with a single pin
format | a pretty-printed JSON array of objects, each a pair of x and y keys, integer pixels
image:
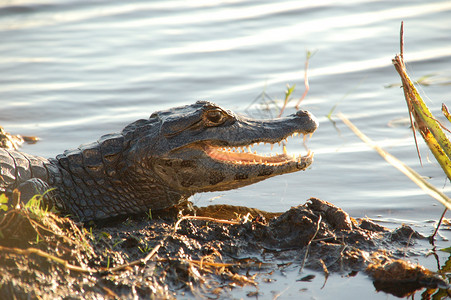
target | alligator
[{"x": 157, "y": 163}]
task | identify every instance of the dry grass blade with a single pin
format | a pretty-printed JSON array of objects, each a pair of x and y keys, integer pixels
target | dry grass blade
[
  {"x": 41, "y": 253},
  {"x": 229, "y": 222},
  {"x": 309, "y": 243},
  {"x": 406, "y": 170}
]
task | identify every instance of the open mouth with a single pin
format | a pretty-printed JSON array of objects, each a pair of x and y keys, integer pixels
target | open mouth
[{"x": 247, "y": 155}]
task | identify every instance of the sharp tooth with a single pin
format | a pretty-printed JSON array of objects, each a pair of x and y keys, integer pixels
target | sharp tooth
[
  {"x": 284, "y": 149},
  {"x": 249, "y": 149},
  {"x": 255, "y": 152},
  {"x": 311, "y": 134},
  {"x": 286, "y": 140},
  {"x": 272, "y": 146},
  {"x": 294, "y": 156},
  {"x": 279, "y": 144},
  {"x": 254, "y": 161},
  {"x": 295, "y": 134},
  {"x": 305, "y": 138}
]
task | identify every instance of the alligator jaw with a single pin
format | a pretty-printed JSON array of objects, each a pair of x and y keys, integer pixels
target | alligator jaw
[{"x": 243, "y": 155}]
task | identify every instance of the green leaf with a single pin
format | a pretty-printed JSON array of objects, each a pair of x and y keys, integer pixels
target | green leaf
[{"x": 3, "y": 198}]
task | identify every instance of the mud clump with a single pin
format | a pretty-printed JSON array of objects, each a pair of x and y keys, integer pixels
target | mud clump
[
  {"x": 207, "y": 252},
  {"x": 400, "y": 277}
]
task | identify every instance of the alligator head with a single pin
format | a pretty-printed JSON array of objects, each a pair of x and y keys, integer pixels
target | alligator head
[{"x": 203, "y": 147}]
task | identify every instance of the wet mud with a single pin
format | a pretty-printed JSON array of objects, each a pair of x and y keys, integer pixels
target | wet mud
[{"x": 197, "y": 252}]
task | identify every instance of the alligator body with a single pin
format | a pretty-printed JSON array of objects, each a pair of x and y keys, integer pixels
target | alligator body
[{"x": 158, "y": 162}]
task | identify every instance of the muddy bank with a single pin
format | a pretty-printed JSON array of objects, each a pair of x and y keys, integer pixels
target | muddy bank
[{"x": 224, "y": 247}]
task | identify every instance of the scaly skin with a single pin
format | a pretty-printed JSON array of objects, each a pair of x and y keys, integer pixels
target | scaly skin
[{"x": 156, "y": 163}]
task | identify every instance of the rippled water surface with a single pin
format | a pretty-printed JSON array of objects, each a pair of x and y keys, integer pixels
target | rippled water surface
[{"x": 74, "y": 70}]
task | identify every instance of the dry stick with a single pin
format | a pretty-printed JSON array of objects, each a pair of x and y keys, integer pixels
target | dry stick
[
  {"x": 406, "y": 95},
  {"x": 138, "y": 261},
  {"x": 41, "y": 253},
  {"x": 408, "y": 243},
  {"x": 8, "y": 219},
  {"x": 305, "y": 256},
  {"x": 326, "y": 272},
  {"x": 204, "y": 219},
  {"x": 206, "y": 263},
  {"x": 341, "y": 254},
  {"x": 280, "y": 293},
  {"x": 309, "y": 243},
  {"x": 432, "y": 237}
]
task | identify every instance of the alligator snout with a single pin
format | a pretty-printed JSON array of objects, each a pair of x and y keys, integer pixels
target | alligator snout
[{"x": 310, "y": 123}]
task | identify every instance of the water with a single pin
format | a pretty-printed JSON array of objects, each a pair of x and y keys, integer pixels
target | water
[{"x": 74, "y": 70}]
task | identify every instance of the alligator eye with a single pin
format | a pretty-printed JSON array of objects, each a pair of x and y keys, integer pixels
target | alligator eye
[{"x": 214, "y": 117}]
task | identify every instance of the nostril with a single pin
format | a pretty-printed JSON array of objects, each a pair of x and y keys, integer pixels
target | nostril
[
  {"x": 311, "y": 119},
  {"x": 302, "y": 113}
]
